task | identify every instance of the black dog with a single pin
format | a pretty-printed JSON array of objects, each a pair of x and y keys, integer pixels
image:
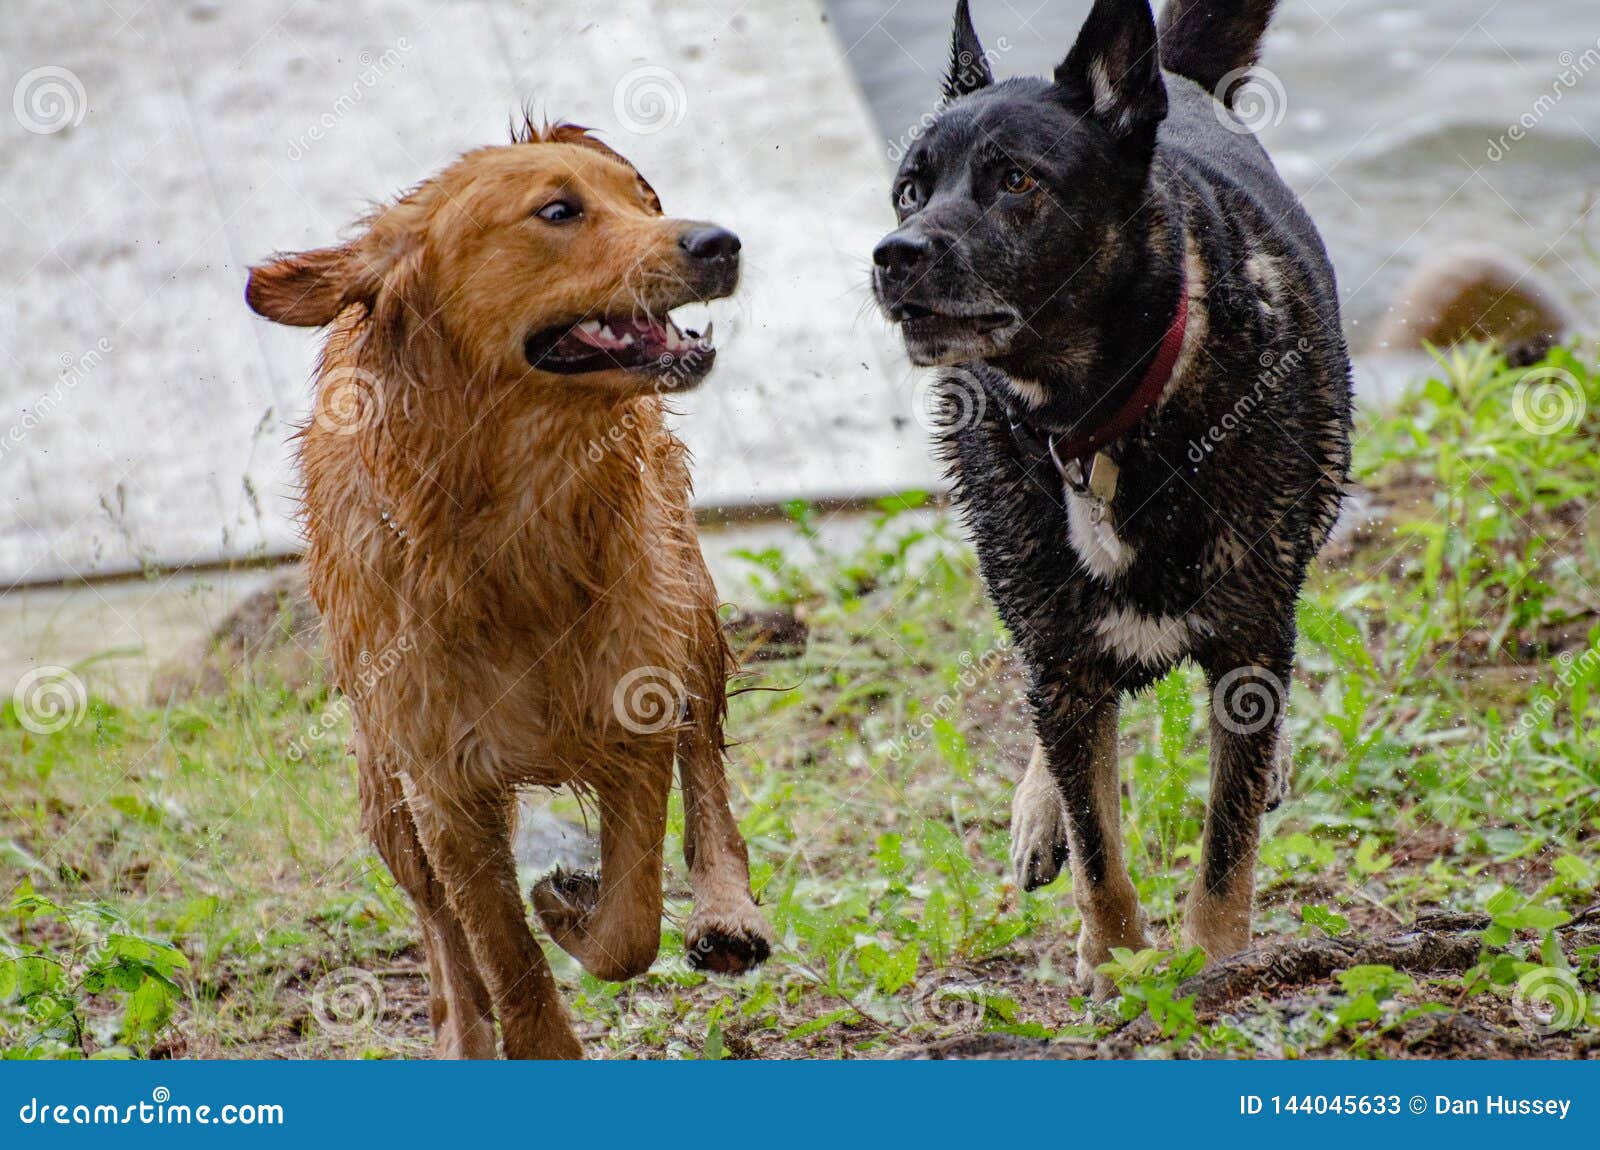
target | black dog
[{"x": 1149, "y": 421}]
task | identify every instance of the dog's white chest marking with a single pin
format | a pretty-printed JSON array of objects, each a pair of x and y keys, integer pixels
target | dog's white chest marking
[
  {"x": 1090, "y": 528},
  {"x": 1143, "y": 638},
  {"x": 1094, "y": 536}
]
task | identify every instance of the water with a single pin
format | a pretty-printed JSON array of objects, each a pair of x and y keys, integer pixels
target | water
[{"x": 1394, "y": 123}]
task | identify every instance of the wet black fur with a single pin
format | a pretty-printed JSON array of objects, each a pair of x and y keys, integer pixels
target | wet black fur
[{"x": 1089, "y": 265}]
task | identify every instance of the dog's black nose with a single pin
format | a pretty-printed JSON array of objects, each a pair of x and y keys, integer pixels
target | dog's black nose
[
  {"x": 709, "y": 243},
  {"x": 898, "y": 253}
]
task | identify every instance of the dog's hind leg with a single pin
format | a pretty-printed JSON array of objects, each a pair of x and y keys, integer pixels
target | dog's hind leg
[
  {"x": 1248, "y": 745},
  {"x": 468, "y": 840},
  {"x": 726, "y": 934},
  {"x": 1038, "y": 825},
  {"x": 613, "y": 925},
  {"x": 459, "y": 1005},
  {"x": 1079, "y": 733}
]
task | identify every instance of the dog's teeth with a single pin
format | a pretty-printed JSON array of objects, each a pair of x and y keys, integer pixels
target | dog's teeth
[
  {"x": 626, "y": 341},
  {"x": 706, "y": 338},
  {"x": 590, "y": 326}
]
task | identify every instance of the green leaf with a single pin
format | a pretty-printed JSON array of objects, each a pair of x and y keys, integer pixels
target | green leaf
[
  {"x": 889, "y": 970},
  {"x": 817, "y": 1025},
  {"x": 1325, "y": 920},
  {"x": 149, "y": 1009}
]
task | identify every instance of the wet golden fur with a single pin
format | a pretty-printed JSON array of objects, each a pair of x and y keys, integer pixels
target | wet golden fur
[{"x": 509, "y": 573}]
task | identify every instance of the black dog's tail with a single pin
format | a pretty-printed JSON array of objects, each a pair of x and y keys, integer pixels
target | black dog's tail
[{"x": 1206, "y": 40}]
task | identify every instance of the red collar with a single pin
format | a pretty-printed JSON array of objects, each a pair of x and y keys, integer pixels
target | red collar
[{"x": 1144, "y": 397}]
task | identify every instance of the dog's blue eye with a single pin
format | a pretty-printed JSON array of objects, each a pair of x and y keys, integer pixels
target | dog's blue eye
[
  {"x": 559, "y": 211},
  {"x": 906, "y": 197}
]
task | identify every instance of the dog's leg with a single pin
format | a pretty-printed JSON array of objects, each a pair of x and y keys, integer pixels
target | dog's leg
[
  {"x": 459, "y": 1005},
  {"x": 1079, "y": 733},
  {"x": 1247, "y": 766},
  {"x": 613, "y": 925},
  {"x": 1038, "y": 825},
  {"x": 468, "y": 840},
  {"x": 726, "y": 934}
]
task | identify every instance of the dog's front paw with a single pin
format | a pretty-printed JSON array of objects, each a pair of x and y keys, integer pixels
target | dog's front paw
[
  {"x": 1218, "y": 928},
  {"x": 1092, "y": 954},
  {"x": 1038, "y": 831},
  {"x": 563, "y": 899},
  {"x": 1129, "y": 930},
  {"x": 728, "y": 942}
]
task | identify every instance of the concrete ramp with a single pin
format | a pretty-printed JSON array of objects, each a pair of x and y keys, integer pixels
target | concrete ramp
[{"x": 146, "y": 161}]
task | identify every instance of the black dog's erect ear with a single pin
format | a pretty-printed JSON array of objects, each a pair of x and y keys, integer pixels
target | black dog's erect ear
[
  {"x": 969, "y": 69},
  {"x": 1115, "y": 67}
]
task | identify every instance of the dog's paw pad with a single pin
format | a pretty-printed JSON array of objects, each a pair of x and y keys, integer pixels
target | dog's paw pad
[
  {"x": 1040, "y": 865},
  {"x": 563, "y": 897},
  {"x": 728, "y": 952}
]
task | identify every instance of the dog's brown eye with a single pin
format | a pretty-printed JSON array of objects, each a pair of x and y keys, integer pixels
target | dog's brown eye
[
  {"x": 1017, "y": 181},
  {"x": 906, "y": 198},
  {"x": 559, "y": 211}
]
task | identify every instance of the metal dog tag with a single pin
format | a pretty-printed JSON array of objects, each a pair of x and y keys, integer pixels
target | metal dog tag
[{"x": 1103, "y": 472}]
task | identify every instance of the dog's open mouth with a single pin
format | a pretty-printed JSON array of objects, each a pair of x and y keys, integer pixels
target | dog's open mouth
[{"x": 638, "y": 343}]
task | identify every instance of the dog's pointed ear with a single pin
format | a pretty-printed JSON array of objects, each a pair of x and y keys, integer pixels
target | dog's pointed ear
[
  {"x": 1115, "y": 68},
  {"x": 309, "y": 289},
  {"x": 969, "y": 68}
]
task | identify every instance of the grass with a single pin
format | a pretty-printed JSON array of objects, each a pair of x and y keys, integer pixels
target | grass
[{"x": 190, "y": 880}]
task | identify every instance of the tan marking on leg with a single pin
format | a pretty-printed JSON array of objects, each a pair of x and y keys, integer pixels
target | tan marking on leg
[{"x": 1110, "y": 908}]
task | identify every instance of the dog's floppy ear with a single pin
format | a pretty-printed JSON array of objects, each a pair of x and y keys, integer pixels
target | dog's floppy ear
[
  {"x": 1115, "y": 67},
  {"x": 969, "y": 68},
  {"x": 309, "y": 289}
]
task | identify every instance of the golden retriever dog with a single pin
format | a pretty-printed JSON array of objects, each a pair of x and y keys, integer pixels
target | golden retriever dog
[{"x": 500, "y": 543}]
